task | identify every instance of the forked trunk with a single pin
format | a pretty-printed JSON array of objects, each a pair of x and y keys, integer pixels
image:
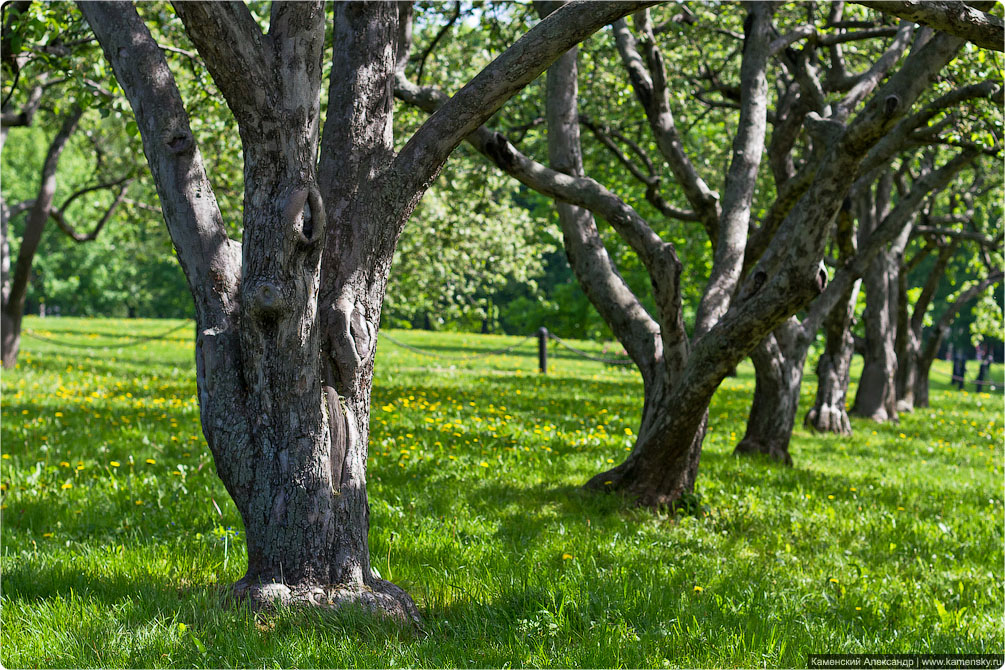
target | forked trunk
[{"x": 778, "y": 366}]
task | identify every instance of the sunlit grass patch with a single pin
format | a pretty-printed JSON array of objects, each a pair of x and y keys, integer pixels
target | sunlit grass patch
[{"x": 117, "y": 534}]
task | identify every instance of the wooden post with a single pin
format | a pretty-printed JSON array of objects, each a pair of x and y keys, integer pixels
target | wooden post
[{"x": 542, "y": 349}]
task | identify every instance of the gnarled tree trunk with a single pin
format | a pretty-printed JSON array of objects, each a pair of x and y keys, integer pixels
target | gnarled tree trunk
[
  {"x": 287, "y": 319},
  {"x": 778, "y": 367}
]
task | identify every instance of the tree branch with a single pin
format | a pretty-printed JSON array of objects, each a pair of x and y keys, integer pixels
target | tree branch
[
  {"x": 211, "y": 261},
  {"x": 956, "y": 18},
  {"x": 425, "y": 152},
  {"x": 59, "y": 215}
]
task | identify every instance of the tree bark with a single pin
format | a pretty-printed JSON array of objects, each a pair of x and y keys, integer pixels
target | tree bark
[
  {"x": 876, "y": 397},
  {"x": 287, "y": 320},
  {"x": 829, "y": 413},
  {"x": 778, "y": 367}
]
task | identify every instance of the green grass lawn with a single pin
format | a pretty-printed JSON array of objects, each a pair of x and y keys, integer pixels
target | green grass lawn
[{"x": 117, "y": 535}]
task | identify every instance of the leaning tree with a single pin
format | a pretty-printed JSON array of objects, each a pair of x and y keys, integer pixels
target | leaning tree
[
  {"x": 783, "y": 254},
  {"x": 287, "y": 319}
]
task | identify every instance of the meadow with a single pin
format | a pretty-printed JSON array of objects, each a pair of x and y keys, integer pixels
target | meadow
[{"x": 117, "y": 536}]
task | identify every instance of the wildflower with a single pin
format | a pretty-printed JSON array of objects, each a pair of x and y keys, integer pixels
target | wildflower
[
  {"x": 115, "y": 464},
  {"x": 628, "y": 431},
  {"x": 67, "y": 485},
  {"x": 698, "y": 589},
  {"x": 833, "y": 580},
  {"x": 46, "y": 534},
  {"x": 58, "y": 414},
  {"x": 139, "y": 502},
  {"x": 566, "y": 557},
  {"x": 830, "y": 497},
  {"x": 6, "y": 457},
  {"x": 151, "y": 461},
  {"x": 484, "y": 464}
]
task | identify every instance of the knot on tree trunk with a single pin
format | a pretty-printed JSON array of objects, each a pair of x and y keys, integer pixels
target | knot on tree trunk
[
  {"x": 304, "y": 214},
  {"x": 267, "y": 300}
]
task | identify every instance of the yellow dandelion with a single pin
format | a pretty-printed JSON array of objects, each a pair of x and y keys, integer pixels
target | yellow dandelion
[
  {"x": 833, "y": 580},
  {"x": 698, "y": 589},
  {"x": 46, "y": 534},
  {"x": 59, "y": 414},
  {"x": 608, "y": 482},
  {"x": 139, "y": 502},
  {"x": 6, "y": 457},
  {"x": 64, "y": 464},
  {"x": 151, "y": 461},
  {"x": 67, "y": 485},
  {"x": 484, "y": 464},
  {"x": 566, "y": 557},
  {"x": 628, "y": 431},
  {"x": 115, "y": 464},
  {"x": 830, "y": 497}
]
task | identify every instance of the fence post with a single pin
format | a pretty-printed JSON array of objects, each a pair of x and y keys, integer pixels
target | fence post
[{"x": 542, "y": 349}]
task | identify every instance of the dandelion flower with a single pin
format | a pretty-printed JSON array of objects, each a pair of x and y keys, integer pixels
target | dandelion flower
[
  {"x": 566, "y": 557},
  {"x": 115, "y": 464},
  {"x": 67, "y": 485},
  {"x": 833, "y": 580},
  {"x": 699, "y": 589},
  {"x": 151, "y": 461}
]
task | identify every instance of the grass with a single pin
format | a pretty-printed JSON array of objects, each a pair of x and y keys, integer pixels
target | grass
[{"x": 117, "y": 534}]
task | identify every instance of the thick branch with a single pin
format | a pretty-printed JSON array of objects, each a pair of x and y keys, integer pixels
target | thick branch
[
  {"x": 956, "y": 18},
  {"x": 424, "y": 154},
  {"x": 211, "y": 261},
  {"x": 748, "y": 145},
  {"x": 650, "y": 86},
  {"x": 230, "y": 43}
]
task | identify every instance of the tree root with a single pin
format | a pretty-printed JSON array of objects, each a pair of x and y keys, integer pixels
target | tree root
[{"x": 378, "y": 597}]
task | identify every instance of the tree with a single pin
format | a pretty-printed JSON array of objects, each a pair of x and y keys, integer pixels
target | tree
[
  {"x": 21, "y": 41},
  {"x": 287, "y": 319},
  {"x": 759, "y": 277}
]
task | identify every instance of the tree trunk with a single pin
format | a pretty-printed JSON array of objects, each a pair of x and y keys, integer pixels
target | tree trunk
[
  {"x": 778, "y": 365},
  {"x": 925, "y": 360},
  {"x": 829, "y": 414},
  {"x": 16, "y": 290},
  {"x": 663, "y": 464},
  {"x": 876, "y": 397}
]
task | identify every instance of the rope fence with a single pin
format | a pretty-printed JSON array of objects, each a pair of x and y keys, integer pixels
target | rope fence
[
  {"x": 542, "y": 335},
  {"x": 76, "y": 345}
]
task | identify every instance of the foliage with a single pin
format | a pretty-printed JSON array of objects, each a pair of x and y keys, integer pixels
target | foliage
[{"x": 113, "y": 549}]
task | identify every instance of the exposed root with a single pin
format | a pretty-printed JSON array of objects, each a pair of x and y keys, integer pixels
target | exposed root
[
  {"x": 829, "y": 419},
  {"x": 379, "y": 597}
]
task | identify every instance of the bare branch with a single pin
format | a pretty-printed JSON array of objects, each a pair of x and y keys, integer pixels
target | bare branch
[
  {"x": 439, "y": 35},
  {"x": 59, "y": 216},
  {"x": 748, "y": 145}
]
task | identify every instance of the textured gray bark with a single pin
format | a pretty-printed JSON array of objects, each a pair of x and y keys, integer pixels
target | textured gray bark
[
  {"x": 829, "y": 413},
  {"x": 287, "y": 321},
  {"x": 876, "y": 397},
  {"x": 910, "y": 324},
  {"x": 778, "y": 367},
  {"x": 983, "y": 29}
]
